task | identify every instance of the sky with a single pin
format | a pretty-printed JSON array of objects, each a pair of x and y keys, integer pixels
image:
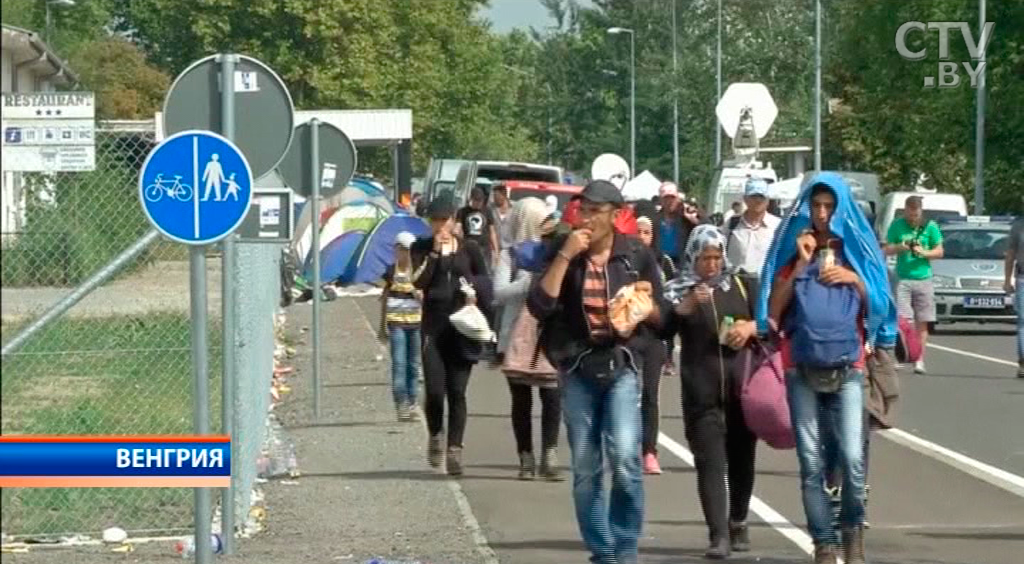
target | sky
[{"x": 509, "y": 14}]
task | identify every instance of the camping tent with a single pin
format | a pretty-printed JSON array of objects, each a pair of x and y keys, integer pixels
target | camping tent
[
  {"x": 353, "y": 194},
  {"x": 357, "y": 216},
  {"x": 377, "y": 251},
  {"x": 336, "y": 256},
  {"x": 643, "y": 187}
]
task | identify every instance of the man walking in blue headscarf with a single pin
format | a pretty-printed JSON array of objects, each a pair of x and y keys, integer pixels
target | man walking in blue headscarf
[{"x": 825, "y": 251}]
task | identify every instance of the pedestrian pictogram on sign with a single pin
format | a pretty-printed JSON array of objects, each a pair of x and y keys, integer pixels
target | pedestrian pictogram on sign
[{"x": 196, "y": 187}]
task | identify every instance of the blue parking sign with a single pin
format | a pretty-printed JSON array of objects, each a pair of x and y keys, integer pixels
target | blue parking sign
[{"x": 195, "y": 187}]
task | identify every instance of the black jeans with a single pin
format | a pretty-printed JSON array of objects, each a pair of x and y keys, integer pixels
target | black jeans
[
  {"x": 654, "y": 356},
  {"x": 445, "y": 375},
  {"x": 522, "y": 416},
  {"x": 723, "y": 451}
]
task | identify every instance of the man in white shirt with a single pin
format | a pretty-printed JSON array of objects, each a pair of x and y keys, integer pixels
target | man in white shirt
[{"x": 750, "y": 234}]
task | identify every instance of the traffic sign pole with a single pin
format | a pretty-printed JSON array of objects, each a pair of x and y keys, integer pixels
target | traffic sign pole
[
  {"x": 228, "y": 314},
  {"x": 314, "y": 163},
  {"x": 200, "y": 390}
]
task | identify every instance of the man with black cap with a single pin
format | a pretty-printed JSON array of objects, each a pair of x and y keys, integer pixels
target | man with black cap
[{"x": 599, "y": 366}]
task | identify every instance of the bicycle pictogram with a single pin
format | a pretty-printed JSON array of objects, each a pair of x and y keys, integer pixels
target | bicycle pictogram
[{"x": 176, "y": 189}]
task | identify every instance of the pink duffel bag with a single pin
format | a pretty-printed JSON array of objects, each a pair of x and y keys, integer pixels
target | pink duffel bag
[
  {"x": 908, "y": 346},
  {"x": 765, "y": 407}
]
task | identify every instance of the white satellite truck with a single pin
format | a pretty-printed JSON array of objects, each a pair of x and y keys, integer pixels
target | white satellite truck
[{"x": 746, "y": 112}]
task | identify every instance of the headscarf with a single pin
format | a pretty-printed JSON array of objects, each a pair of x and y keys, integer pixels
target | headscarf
[
  {"x": 528, "y": 215},
  {"x": 860, "y": 251},
  {"x": 701, "y": 238}
]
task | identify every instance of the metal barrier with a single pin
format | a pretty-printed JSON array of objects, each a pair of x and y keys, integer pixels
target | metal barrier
[{"x": 112, "y": 354}]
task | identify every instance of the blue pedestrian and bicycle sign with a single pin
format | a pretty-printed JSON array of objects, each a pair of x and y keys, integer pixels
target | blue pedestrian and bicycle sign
[{"x": 196, "y": 187}]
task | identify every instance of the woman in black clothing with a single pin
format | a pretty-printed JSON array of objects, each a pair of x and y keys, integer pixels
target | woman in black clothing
[
  {"x": 655, "y": 355},
  {"x": 714, "y": 319},
  {"x": 440, "y": 263}
]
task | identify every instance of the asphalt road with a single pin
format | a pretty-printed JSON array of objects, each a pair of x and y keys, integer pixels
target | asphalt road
[{"x": 922, "y": 508}]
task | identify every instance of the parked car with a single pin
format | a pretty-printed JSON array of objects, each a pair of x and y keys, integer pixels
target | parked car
[
  {"x": 486, "y": 173},
  {"x": 969, "y": 278},
  {"x": 518, "y": 189},
  {"x": 937, "y": 206}
]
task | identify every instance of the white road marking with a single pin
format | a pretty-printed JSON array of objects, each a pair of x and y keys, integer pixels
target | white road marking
[
  {"x": 985, "y": 472},
  {"x": 972, "y": 355},
  {"x": 760, "y": 508},
  {"x": 479, "y": 538}
]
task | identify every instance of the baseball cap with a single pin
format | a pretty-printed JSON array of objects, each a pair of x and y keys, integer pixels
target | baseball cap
[
  {"x": 668, "y": 190},
  {"x": 602, "y": 192},
  {"x": 756, "y": 187},
  {"x": 405, "y": 239}
]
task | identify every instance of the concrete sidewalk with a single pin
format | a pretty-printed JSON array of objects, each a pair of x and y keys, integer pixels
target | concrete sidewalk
[{"x": 365, "y": 490}]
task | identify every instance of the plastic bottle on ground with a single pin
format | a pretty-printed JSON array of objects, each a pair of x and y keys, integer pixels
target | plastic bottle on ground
[{"x": 186, "y": 547}]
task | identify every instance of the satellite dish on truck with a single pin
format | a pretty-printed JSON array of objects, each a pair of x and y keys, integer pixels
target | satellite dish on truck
[
  {"x": 612, "y": 168},
  {"x": 746, "y": 112}
]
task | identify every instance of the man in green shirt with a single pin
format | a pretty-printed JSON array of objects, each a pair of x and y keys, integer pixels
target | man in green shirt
[{"x": 916, "y": 242}]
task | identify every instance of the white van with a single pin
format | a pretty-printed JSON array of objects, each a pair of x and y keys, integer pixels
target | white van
[{"x": 936, "y": 206}]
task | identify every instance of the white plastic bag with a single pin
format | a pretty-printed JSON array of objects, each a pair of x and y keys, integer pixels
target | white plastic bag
[{"x": 470, "y": 321}]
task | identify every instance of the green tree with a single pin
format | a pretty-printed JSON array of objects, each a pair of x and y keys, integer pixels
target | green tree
[
  {"x": 433, "y": 56},
  {"x": 126, "y": 86}
]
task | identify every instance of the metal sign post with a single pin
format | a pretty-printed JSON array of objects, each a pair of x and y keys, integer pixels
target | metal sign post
[
  {"x": 228, "y": 317},
  {"x": 314, "y": 172},
  {"x": 180, "y": 210},
  {"x": 200, "y": 391},
  {"x": 321, "y": 166},
  {"x": 248, "y": 86}
]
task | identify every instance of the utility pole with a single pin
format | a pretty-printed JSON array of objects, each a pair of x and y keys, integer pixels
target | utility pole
[{"x": 675, "y": 101}]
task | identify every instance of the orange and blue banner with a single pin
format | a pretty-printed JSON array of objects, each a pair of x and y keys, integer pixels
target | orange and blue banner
[{"x": 115, "y": 461}]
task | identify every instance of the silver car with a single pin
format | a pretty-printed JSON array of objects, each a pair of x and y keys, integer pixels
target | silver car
[{"x": 969, "y": 279}]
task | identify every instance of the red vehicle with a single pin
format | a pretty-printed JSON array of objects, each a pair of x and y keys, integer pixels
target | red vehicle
[{"x": 518, "y": 189}]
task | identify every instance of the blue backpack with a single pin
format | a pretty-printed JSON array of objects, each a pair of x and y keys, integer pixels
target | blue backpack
[{"x": 824, "y": 322}]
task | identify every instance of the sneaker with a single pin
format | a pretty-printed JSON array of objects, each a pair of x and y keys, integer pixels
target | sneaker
[
  {"x": 824, "y": 554},
  {"x": 435, "y": 450},
  {"x": 414, "y": 412},
  {"x": 739, "y": 537},
  {"x": 1020, "y": 368},
  {"x": 919, "y": 367},
  {"x": 403, "y": 412},
  {"x": 527, "y": 466},
  {"x": 549, "y": 465},
  {"x": 717, "y": 550},
  {"x": 651, "y": 465},
  {"x": 453, "y": 461}
]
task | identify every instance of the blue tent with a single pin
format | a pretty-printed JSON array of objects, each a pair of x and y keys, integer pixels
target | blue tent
[
  {"x": 336, "y": 257},
  {"x": 378, "y": 249}
]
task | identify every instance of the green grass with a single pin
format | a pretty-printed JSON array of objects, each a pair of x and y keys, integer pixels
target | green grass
[{"x": 118, "y": 375}]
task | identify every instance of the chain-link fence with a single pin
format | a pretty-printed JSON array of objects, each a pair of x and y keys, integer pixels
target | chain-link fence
[{"x": 119, "y": 361}]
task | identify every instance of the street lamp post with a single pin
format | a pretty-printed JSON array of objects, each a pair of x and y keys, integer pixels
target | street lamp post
[
  {"x": 817, "y": 85},
  {"x": 632, "y": 93},
  {"x": 675, "y": 101},
  {"x": 718, "y": 89},
  {"x": 979, "y": 121},
  {"x": 49, "y": 21}
]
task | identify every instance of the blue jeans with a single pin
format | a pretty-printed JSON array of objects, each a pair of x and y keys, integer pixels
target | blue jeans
[
  {"x": 1018, "y": 304},
  {"x": 605, "y": 417},
  {"x": 405, "y": 362},
  {"x": 815, "y": 417}
]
